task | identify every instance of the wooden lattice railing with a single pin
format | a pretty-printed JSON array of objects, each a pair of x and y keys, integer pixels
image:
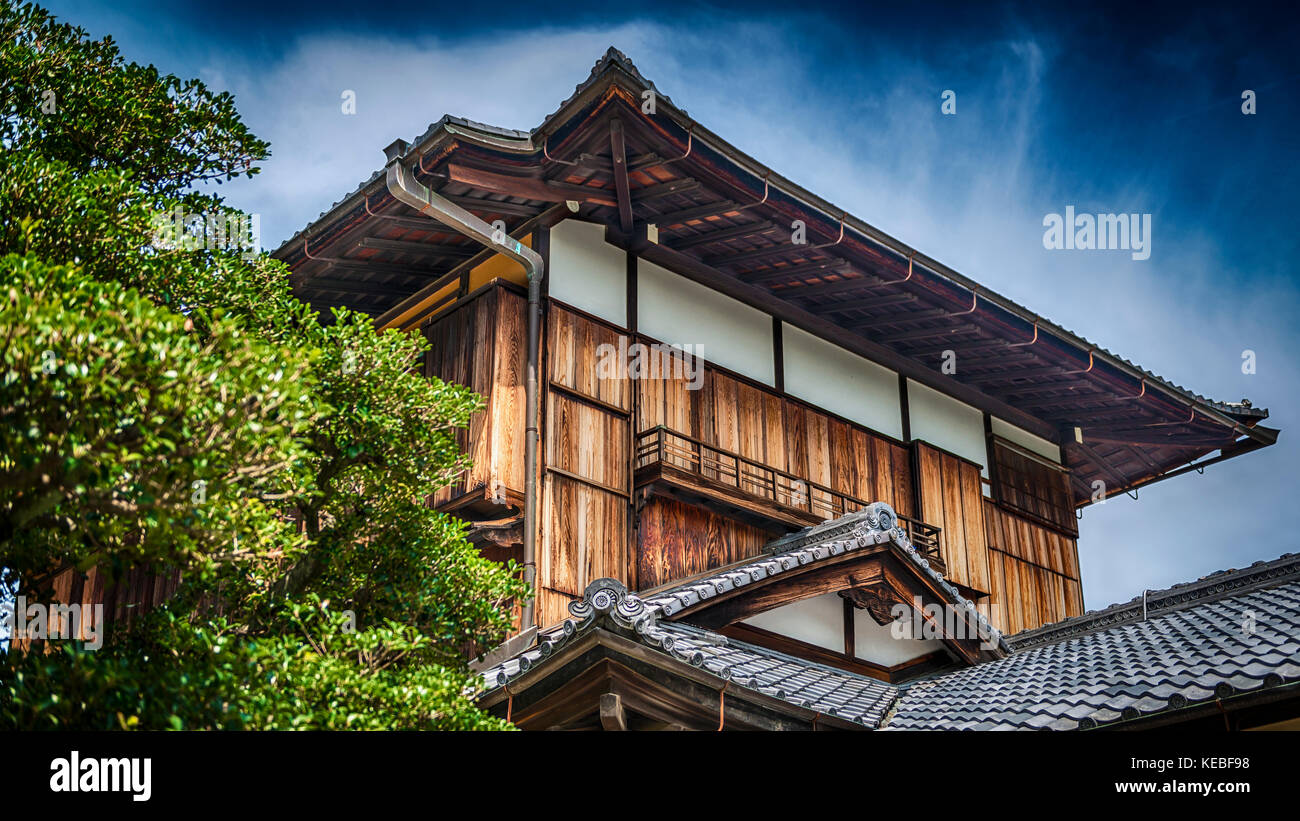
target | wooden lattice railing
[{"x": 662, "y": 446}]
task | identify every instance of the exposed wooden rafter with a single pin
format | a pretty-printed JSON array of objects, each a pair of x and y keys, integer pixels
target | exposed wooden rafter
[
  {"x": 618, "y": 157},
  {"x": 734, "y": 232},
  {"x": 812, "y": 269},
  {"x": 418, "y": 249},
  {"x": 654, "y": 192},
  {"x": 698, "y": 212},
  {"x": 528, "y": 187},
  {"x": 492, "y": 206}
]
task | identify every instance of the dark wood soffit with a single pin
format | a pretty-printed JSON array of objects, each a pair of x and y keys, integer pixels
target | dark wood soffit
[{"x": 768, "y": 302}]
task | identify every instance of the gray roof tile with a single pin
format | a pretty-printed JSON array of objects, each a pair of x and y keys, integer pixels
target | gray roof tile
[
  {"x": 1099, "y": 669},
  {"x": 1191, "y": 654}
]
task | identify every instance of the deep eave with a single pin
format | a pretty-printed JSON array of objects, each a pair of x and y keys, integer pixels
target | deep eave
[{"x": 721, "y": 217}]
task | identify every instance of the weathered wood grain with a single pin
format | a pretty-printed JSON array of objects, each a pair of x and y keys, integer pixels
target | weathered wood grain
[
  {"x": 676, "y": 540},
  {"x": 1033, "y": 571}
]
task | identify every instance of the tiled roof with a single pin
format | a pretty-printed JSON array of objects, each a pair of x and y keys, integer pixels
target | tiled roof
[
  {"x": 875, "y": 524},
  {"x": 828, "y": 690},
  {"x": 1227, "y": 634},
  {"x": 607, "y": 603},
  {"x": 447, "y": 122},
  {"x": 611, "y": 59},
  {"x": 1158, "y": 602},
  {"x": 614, "y": 61},
  {"x": 1206, "y": 647}
]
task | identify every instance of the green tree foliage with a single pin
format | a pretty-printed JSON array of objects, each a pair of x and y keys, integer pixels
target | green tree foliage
[{"x": 169, "y": 404}]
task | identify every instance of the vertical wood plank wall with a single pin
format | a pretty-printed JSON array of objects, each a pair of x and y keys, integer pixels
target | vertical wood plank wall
[
  {"x": 676, "y": 540},
  {"x": 138, "y": 590},
  {"x": 588, "y": 461},
  {"x": 1029, "y": 572},
  {"x": 586, "y": 482},
  {"x": 589, "y": 526},
  {"x": 1033, "y": 572},
  {"x": 482, "y": 345},
  {"x": 951, "y": 497}
]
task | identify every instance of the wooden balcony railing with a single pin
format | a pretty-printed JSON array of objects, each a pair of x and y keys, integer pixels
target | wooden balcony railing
[
  {"x": 665, "y": 448},
  {"x": 925, "y": 538}
]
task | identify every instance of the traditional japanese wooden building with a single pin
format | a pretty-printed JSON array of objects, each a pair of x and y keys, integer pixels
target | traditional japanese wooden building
[{"x": 718, "y": 405}]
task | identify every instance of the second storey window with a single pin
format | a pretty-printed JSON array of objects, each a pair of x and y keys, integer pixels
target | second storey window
[{"x": 1033, "y": 486}]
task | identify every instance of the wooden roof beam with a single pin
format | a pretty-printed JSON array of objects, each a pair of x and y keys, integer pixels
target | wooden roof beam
[
  {"x": 665, "y": 189},
  {"x": 492, "y": 206},
  {"x": 699, "y": 212},
  {"x": 758, "y": 254},
  {"x": 527, "y": 187},
  {"x": 349, "y": 286},
  {"x": 646, "y": 160},
  {"x": 1032, "y": 373},
  {"x": 329, "y": 264},
  {"x": 965, "y": 349},
  {"x": 967, "y": 361},
  {"x": 591, "y": 163},
  {"x": 1178, "y": 442},
  {"x": 618, "y": 158},
  {"x": 868, "y": 304},
  {"x": 1147, "y": 436},
  {"x": 415, "y": 223},
  {"x": 1088, "y": 404},
  {"x": 811, "y": 269},
  {"x": 402, "y": 285},
  {"x": 931, "y": 333},
  {"x": 862, "y": 282},
  {"x": 1141, "y": 455},
  {"x": 418, "y": 249},
  {"x": 1072, "y": 386},
  {"x": 901, "y": 319},
  {"x": 612, "y": 715},
  {"x": 734, "y": 232},
  {"x": 1101, "y": 464}
]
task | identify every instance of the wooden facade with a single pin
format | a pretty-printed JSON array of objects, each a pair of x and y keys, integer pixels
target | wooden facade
[
  {"x": 480, "y": 344},
  {"x": 137, "y": 590},
  {"x": 951, "y": 497},
  {"x": 653, "y": 480},
  {"x": 669, "y": 228},
  {"x": 1033, "y": 572}
]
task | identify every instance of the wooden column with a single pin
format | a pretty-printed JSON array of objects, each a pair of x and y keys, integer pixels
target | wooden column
[{"x": 778, "y": 354}]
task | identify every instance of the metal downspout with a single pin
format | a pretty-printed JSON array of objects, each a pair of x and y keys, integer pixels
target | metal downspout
[{"x": 405, "y": 188}]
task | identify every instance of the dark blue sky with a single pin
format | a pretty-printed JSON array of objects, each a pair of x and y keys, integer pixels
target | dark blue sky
[{"x": 1127, "y": 110}]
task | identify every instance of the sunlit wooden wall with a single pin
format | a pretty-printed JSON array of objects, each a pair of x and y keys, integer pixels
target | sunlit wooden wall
[{"x": 482, "y": 345}]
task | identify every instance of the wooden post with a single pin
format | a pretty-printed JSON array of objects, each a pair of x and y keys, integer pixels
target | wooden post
[
  {"x": 850, "y": 641},
  {"x": 778, "y": 354},
  {"x": 903, "y": 408},
  {"x": 990, "y": 456}
]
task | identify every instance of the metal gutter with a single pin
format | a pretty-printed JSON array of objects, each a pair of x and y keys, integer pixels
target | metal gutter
[
  {"x": 406, "y": 189},
  {"x": 1267, "y": 436}
]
